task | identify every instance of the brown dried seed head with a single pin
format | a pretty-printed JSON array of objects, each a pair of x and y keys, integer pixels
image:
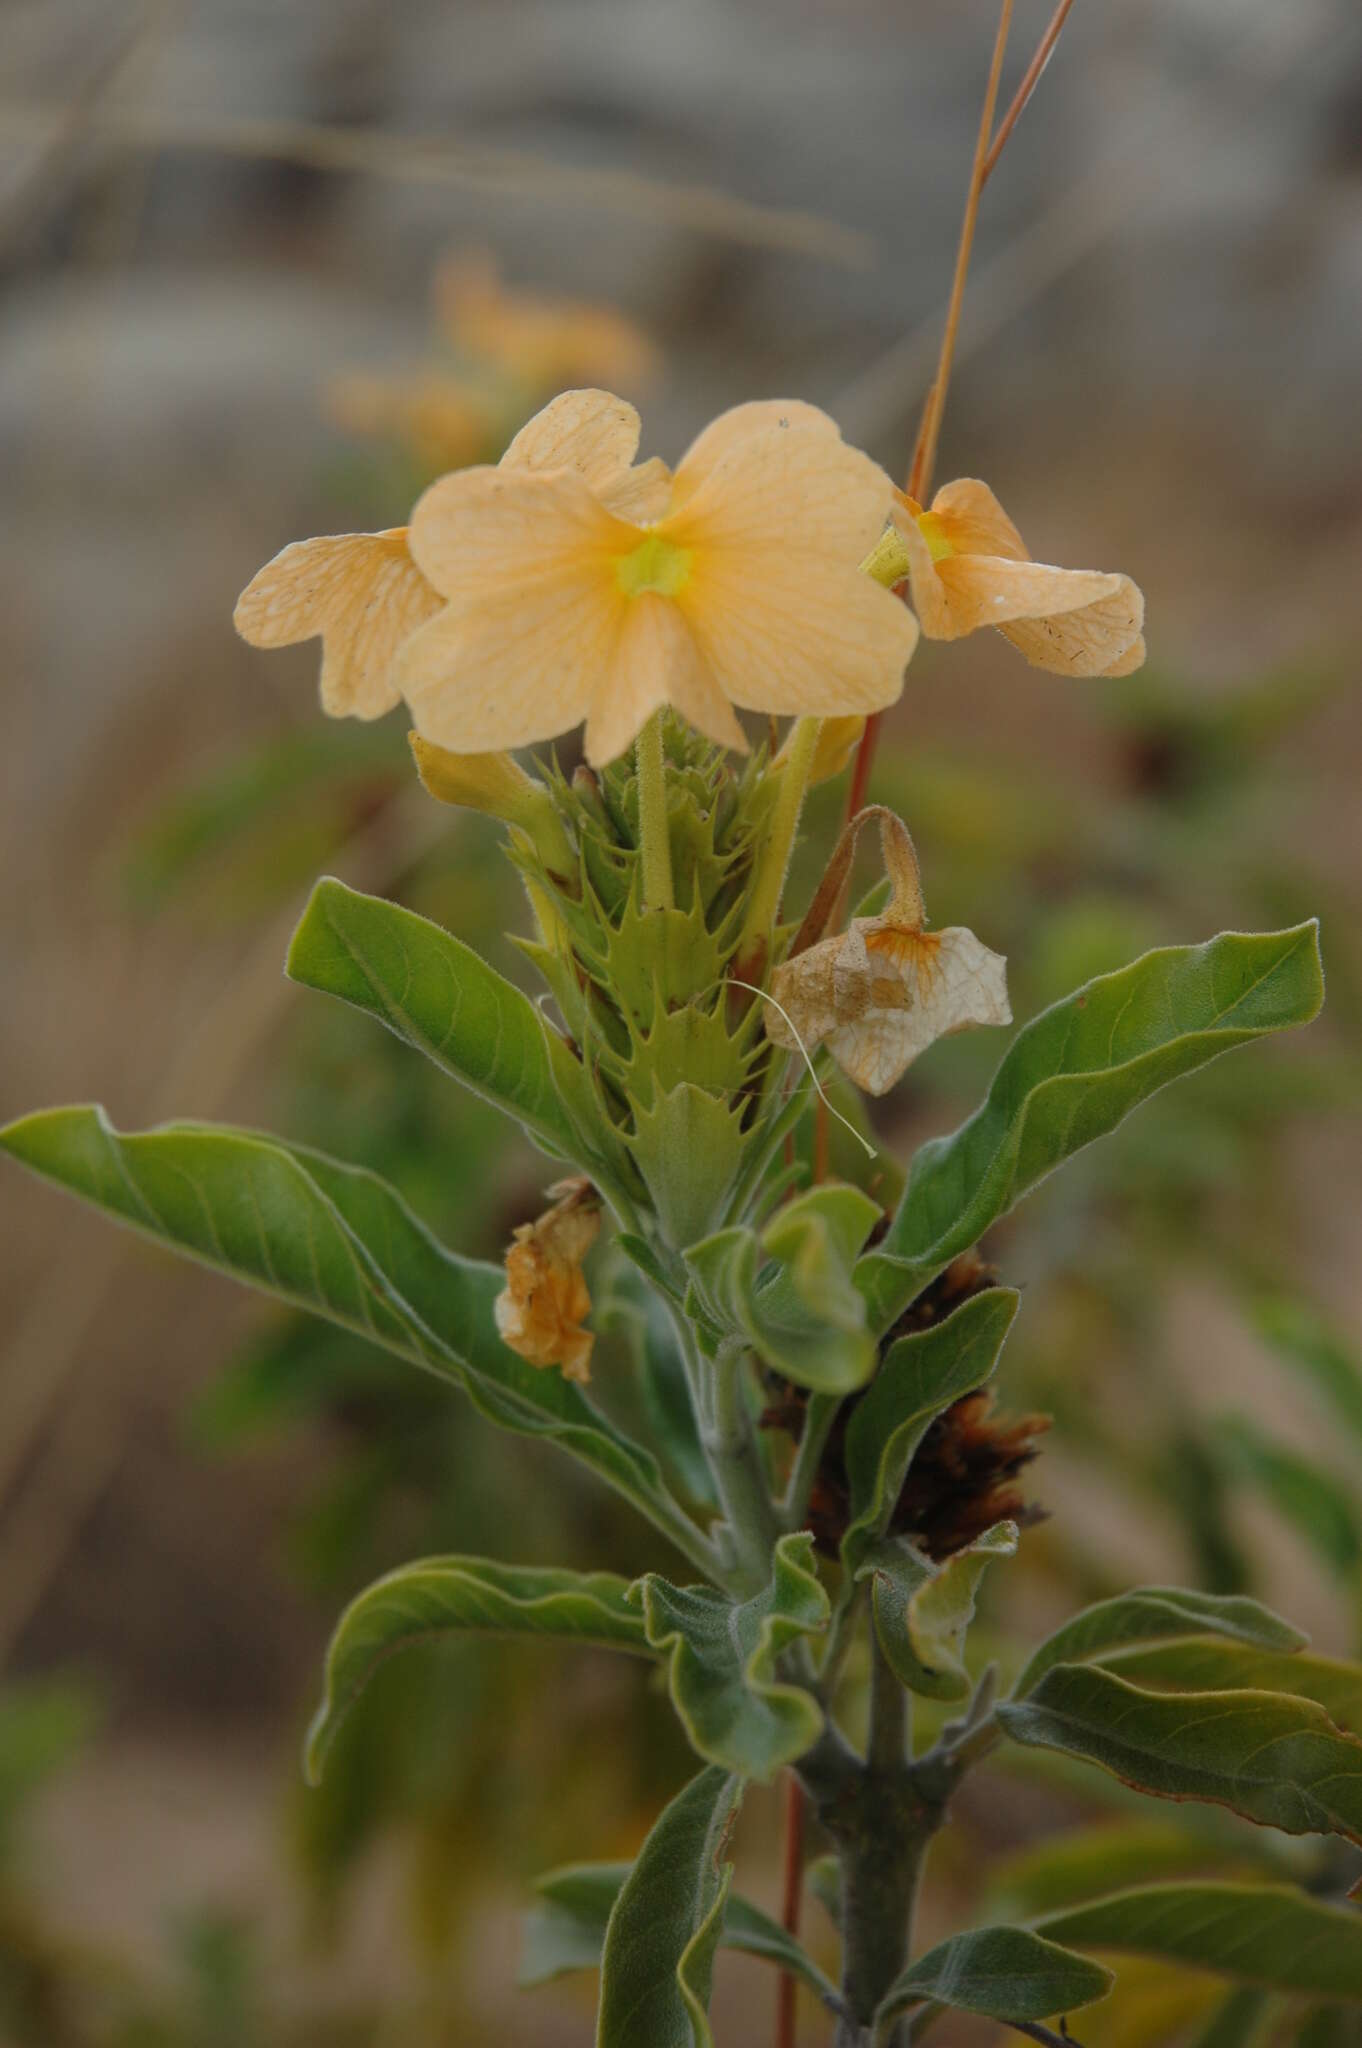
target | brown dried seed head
[{"x": 546, "y": 1301}]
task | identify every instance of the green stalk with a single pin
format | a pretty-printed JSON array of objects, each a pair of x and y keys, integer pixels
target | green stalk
[
  {"x": 730, "y": 1445},
  {"x": 768, "y": 884},
  {"x": 654, "y": 834}
]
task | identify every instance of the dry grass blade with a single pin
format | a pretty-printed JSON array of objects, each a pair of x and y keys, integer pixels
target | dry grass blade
[
  {"x": 432, "y": 160},
  {"x": 1031, "y": 78}
]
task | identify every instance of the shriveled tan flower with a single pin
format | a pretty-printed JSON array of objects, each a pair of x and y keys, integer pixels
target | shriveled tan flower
[
  {"x": 601, "y": 591},
  {"x": 968, "y": 567},
  {"x": 541, "y": 1312},
  {"x": 541, "y": 339},
  {"x": 879, "y": 993},
  {"x": 365, "y": 596}
]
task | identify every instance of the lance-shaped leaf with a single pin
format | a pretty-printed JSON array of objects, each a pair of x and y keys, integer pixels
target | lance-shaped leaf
[
  {"x": 1270, "y": 1935},
  {"x": 1150, "y": 1614},
  {"x": 1073, "y": 1074},
  {"x": 1274, "y": 1759},
  {"x": 442, "y": 1596},
  {"x": 442, "y": 997},
  {"x": 789, "y": 1293},
  {"x": 1004, "y": 1973},
  {"x": 922, "y": 1617},
  {"x": 722, "y": 1659},
  {"x": 1084, "y": 1862},
  {"x": 658, "y": 1959},
  {"x": 566, "y": 1931},
  {"x": 1237, "y": 2022},
  {"x": 1302, "y": 1338},
  {"x": 339, "y": 1241},
  {"x": 1210, "y": 1665},
  {"x": 919, "y": 1376}
]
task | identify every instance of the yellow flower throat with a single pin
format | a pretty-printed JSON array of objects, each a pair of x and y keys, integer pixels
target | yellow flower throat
[{"x": 655, "y": 564}]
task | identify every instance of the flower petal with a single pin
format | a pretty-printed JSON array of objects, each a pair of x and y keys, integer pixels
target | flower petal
[
  {"x": 362, "y": 592},
  {"x": 535, "y": 612},
  {"x": 716, "y": 442},
  {"x": 987, "y": 590},
  {"x": 930, "y": 601},
  {"x": 656, "y": 661},
  {"x": 591, "y": 432},
  {"x": 641, "y": 494},
  {"x": 785, "y": 488},
  {"x": 1098, "y": 639},
  {"x": 796, "y": 633},
  {"x": 975, "y": 523},
  {"x": 952, "y": 980}
]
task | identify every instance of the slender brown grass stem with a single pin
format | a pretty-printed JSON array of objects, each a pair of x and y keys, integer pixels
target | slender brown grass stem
[
  {"x": 924, "y": 454},
  {"x": 924, "y": 451},
  {"x": 1031, "y": 78},
  {"x": 792, "y": 1889}
]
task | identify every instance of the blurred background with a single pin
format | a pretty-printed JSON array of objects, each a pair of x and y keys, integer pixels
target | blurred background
[{"x": 264, "y": 270}]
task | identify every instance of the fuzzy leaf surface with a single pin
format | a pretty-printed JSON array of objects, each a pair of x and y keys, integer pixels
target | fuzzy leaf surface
[
  {"x": 1210, "y": 1665},
  {"x": 1268, "y": 1935},
  {"x": 722, "y": 1656},
  {"x": 919, "y": 1376},
  {"x": 922, "y": 1619},
  {"x": 1157, "y": 1614},
  {"x": 566, "y": 1931},
  {"x": 1003, "y": 1973},
  {"x": 658, "y": 1960},
  {"x": 788, "y": 1292},
  {"x": 441, "y": 997},
  {"x": 1274, "y": 1759},
  {"x": 441, "y": 1596},
  {"x": 340, "y": 1242},
  {"x": 1073, "y": 1074}
]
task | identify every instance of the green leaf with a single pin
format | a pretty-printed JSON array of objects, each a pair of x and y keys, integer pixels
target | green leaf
[
  {"x": 338, "y": 1241},
  {"x": 1327, "y": 2026},
  {"x": 722, "y": 1659},
  {"x": 1084, "y": 1862},
  {"x": 1304, "y": 1494},
  {"x": 442, "y": 997},
  {"x": 658, "y": 1959},
  {"x": 919, "y": 1376},
  {"x": 801, "y": 1314},
  {"x": 922, "y": 1618},
  {"x": 1269, "y": 1935},
  {"x": 1004, "y": 1973},
  {"x": 567, "y": 1932},
  {"x": 1157, "y": 1614},
  {"x": 1276, "y": 1760},
  {"x": 1071, "y": 1076},
  {"x": 1211, "y": 1666},
  {"x": 688, "y": 1146},
  {"x": 445, "y": 1595},
  {"x": 1301, "y": 1336}
]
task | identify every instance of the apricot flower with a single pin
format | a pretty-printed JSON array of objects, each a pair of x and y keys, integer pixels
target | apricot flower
[
  {"x": 537, "y": 337},
  {"x": 602, "y": 591},
  {"x": 363, "y": 593},
  {"x": 545, "y": 1302},
  {"x": 968, "y": 567},
  {"x": 879, "y": 993}
]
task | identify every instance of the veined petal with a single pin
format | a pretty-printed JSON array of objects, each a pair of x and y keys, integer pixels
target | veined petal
[
  {"x": 993, "y": 589},
  {"x": 975, "y": 523},
  {"x": 792, "y": 631},
  {"x": 950, "y": 980},
  {"x": 641, "y": 494},
  {"x": 782, "y": 489},
  {"x": 716, "y": 442},
  {"x": 535, "y": 610},
  {"x": 591, "y": 432},
  {"x": 655, "y": 661},
  {"x": 930, "y": 602},
  {"x": 362, "y": 592},
  {"x": 1098, "y": 639},
  {"x": 481, "y": 531}
]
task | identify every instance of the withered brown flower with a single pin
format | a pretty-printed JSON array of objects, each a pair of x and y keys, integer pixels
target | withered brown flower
[{"x": 546, "y": 1301}]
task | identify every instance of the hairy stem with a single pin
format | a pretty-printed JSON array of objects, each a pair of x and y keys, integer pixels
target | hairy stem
[
  {"x": 734, "y": 1458},
  {"x": 654, "y": 834},
  {"x": 819, "y": 1417},
  {"x": 768, "y": 886}
]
